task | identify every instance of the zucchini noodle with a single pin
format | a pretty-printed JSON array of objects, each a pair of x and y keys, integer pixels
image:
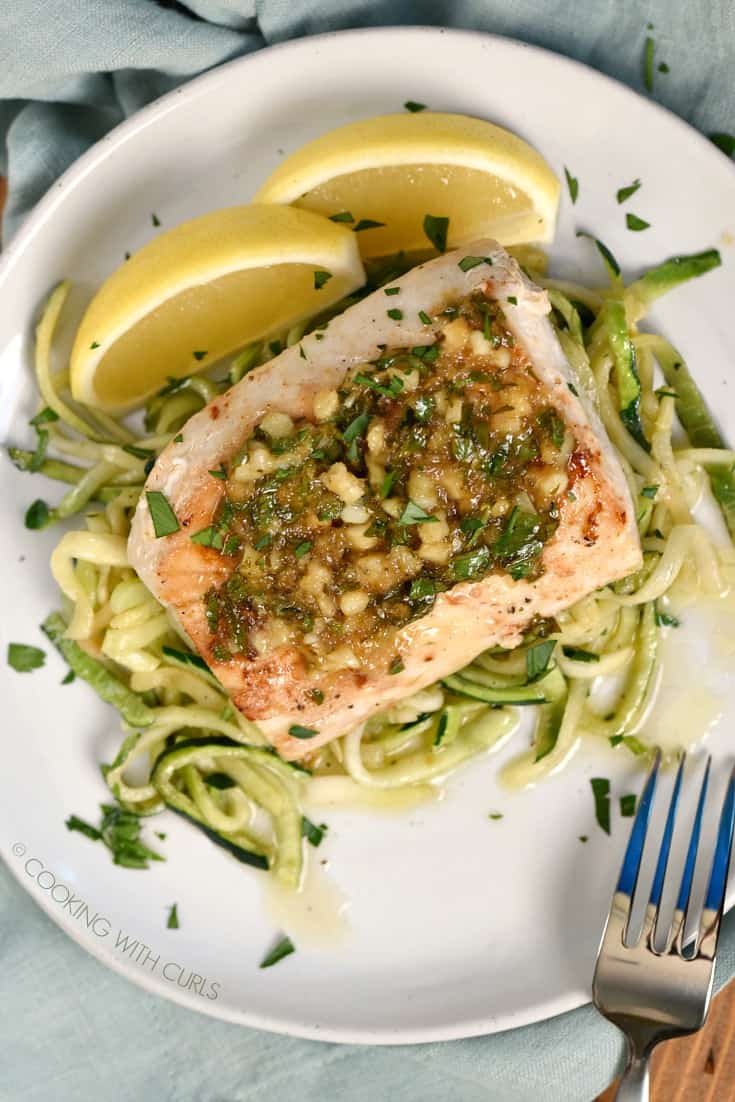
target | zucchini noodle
[{"x": 188, "y": 749}]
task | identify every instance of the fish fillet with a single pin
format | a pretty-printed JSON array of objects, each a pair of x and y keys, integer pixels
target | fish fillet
[{"x": 595, "y": 540}]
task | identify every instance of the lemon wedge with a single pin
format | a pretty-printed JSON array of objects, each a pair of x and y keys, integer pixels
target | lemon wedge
[
  {"x": 203, "y": 289},
  {"x": 382, "y": 176}
]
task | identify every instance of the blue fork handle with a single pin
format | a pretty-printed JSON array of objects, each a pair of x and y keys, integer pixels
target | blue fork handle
[{"x": 634, "y": 1085}]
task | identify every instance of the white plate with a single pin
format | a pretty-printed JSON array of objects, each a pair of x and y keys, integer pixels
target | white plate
[{"x": 458, "y": 925}]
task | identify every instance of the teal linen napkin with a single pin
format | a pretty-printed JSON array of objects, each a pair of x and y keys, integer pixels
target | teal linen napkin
[{"x": 70, "y": 1030}]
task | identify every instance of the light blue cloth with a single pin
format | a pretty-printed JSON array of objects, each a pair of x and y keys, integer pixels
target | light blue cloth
[{"x": 71, "y": 1031}]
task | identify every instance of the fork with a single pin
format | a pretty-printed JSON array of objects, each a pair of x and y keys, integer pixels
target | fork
[{"x": 656, "y": 989}]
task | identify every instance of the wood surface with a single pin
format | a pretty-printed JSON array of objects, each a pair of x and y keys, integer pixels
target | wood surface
[{"x": 700, "y": 1068}]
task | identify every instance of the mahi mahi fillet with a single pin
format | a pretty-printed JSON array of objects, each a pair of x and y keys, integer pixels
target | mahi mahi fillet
[{"x": 596, "y": 541}]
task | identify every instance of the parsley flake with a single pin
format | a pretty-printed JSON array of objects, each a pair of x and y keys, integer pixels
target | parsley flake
[
  {"x": 320, "y": 278},
  {"x": 343, "y": 216},
  {"x": 627, "y": 806},
  {"x": 648, "y": 51},
  {"x": 413, "y": 107},
  {"x": 436, "y": 227},
  {"x": 172, "y": 923},
  {"x": 414, "y": 514},
  {"x": 633, "y": 222},
  {"x": 284, "y": 948},
  {"x": 392, "y": 290},
  {"x": 601, "y": 795},
  {"x": 469, "y": 262},
  {"x": 725, "y": 142},
  {"x": 624, "y": 193},
  {"x": 572, "y": 184},
  {"x": 396, "y": 314},
  {"x": 297, "y": 731},
  {"x": 313, "y": 833},
  {"x": 396, "y": 665},
  {"x": 24, "y": 658},
  {"x": 162, "y": 515},
  {"x": 368, "y": 224},
  {"x": 199, "y": 354}
]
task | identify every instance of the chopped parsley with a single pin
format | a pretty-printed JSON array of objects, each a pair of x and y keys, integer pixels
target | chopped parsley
[
  {"x": 392, "y": 290},
  {"x": 297, "y": 731},
  {"x": 387, "y": 484},
  {"x": 320, "y": 278},
  {"x": 391, "y": 389},
  {"x": 317, "y": 696},
  {"x": 413, "y": 107},
  {"x": 648, "y": 52},
  {"x": 396, "y": 665},
  {"x": 424, "y": 317},
  {"x": 44, "y": 417},
  {"x": 395, "y": 314},
  {"x": 471, "y": 564},
  {"x": 94, "y": 344},
  {"x": 633, "y": 222},
  {"x": 302, "y": 549},
  {"x": 604, "y": 252},
  {"x": 208, "y": 537},
  {"x": 436, "y": 227},
  {"x": 120, "y": 832},
  {"x": 469, "y": 262},
  {"x": 666, "y": 620},
  {"x": 663, "y": 68},
  {"x": 199, "y": 354},
  {"x": 172, "y": 923},
  {"x": 220, "y": 473},
  {"x": 367, "y": 224},
  {"x": 495, "y": 815},
  {"x": 601, "y": 795},
  {"x": 725, "y": 142},
  {"x": 37, "y": 515},
  {"x": 313, "y": 833},
  {"x": 414, "y": 514},
  {"x": 649, "y": 492},
  {"x": 284, "y": 948},
  {"x": 179, "y": 438},
  {"x": 624, "y": 193},
  {"x": 538, "y": 657},
  {"x": 633, "y": 744},
  {"x": 573, "y": 389},
  {"x": 627, "y": 805},
  {"x": 74, "y": 823},
  {"x": 155, "y": 220},
  {"x": 71, "y": 676},
  {"x": 578, "y": 655},
  {"x": 512, "y": 300},
  {"x": 23, "y": 658},
  {"x": 162, "y": 515},
  {"x": 572, "y": 184},
  {"x": 343, "y": 216}
]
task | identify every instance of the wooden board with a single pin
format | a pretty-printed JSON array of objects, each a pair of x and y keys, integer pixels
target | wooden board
[{"x": 700, "y": 1068}]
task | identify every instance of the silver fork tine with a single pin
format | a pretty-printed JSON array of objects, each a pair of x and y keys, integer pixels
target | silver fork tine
[
  {"x": 662, "y": 864},
  {"x": 687, "y": 877},
  {"x": 631, "y": 866},
  {"x": 714, "y": 903}
]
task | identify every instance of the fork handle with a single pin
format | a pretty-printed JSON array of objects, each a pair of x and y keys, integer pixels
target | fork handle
[{"x": 634, "y": 1084}]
